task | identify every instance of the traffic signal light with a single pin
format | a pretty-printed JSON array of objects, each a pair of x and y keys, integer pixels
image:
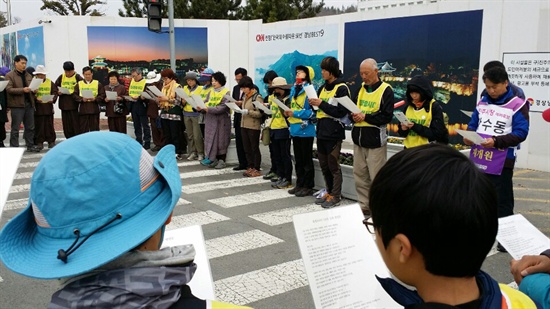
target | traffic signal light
[{"x": 154, "y": 15}]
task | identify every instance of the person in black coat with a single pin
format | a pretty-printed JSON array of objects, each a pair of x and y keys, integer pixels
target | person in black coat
[{"x": 3, "y": 107}]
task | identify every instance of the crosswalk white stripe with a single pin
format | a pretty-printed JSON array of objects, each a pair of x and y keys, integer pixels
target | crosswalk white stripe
[
  {"x": 188, "y": 163},
  {"x": 34, "y": 155},
  {"x": 28, "y": 164},
  {"x": 200, "y": 218},
  {"x": 222, "y": 184},
  {"x": 263, "y": 283},
  {"x": 16, "y": 204},
  {"x": 227, "y": 245},
  {"x": 1, "y": 279},
  {"x": 20, "y": 188},
  {"x": 282, "y": 216},
  {"x": 208, "y": 172},
  {"x": 250, "y": 198},
  {"x": 23, "y": 175},
  {"x": 183, "y": 202}
]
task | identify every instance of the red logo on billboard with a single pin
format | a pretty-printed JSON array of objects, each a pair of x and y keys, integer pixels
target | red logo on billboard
[{"x": 260, "y": 37}]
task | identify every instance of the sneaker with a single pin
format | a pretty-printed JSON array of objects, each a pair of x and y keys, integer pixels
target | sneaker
[
  {"x": 179, "y": 157},
  {"x": 274, "y": 184},
  {"x": 255, "y": 173},
  {"x": 320, "y": 200},
  {"x": 294, "y": 190},
  {"x": 35, "y": 149},
  {"x": 304, "y": 192},
  {"x": 284, "y": 184},
  {"x": 213, "y": 164},
  {"x": 247, "y": 172},
  {"x": 269, "y": 176},
  {"x": 331, "y": 201},
  {"x": 200, "y": 157},
  {"x": 51, "y": 145},
  {"x": 192, "y": 156},
  {"x": 221, "y": 164},
  {"x": 206, "y": 162},
  {"x": 275, "y": 179}
]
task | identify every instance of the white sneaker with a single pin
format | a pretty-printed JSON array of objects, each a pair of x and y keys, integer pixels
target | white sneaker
[
  {"x": 192, "y": 156},
  {"x": 201, "y": 157},
  {"x": 221, "y": 164}
]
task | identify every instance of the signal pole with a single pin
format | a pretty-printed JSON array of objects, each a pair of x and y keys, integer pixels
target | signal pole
[{"x": 171, "y": 34}]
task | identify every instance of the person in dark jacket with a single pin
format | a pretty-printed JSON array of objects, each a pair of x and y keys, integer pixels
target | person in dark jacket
[
  {"x": 88, "y": 109},
  {"x": 67, "y": 103},
  {"x": 43, "y": 115},
  {"x": 153, "y": 79},
  {"x": 116, "y": 109},
  {"x": 237, "y": 94},
  {"x": 138, "y": 108},
  {"x": 330, "y": 130},
  {"x": 425, "y": 114},
  {"x": 272, "y": 173},
  {"x": 3, "y": 106}
]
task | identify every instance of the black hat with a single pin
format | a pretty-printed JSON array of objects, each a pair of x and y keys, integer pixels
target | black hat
[{"x": 68, "y": 66}]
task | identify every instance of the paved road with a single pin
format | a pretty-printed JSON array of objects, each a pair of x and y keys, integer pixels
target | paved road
[{"x": 249, "y": 235}]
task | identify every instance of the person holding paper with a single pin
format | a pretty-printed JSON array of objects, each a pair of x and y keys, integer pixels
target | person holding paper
[
  {"x": 3, "y": 106},
  {"x": 502, "y": 118},
  {"x": 434, "y": 217},
  {"x": 43, "y": 115},
  {"x": 116, "y": 109},
  {"x": 375, "y": 100},
  {"x": 237, "y": 95},
  {"x": 424, "y": 113},
  {"x": 138, "y": 108},
  {"x": 21, "y": 103},
  {"x": 532, "y": 275},
  {"x": 206, "y": 81},
  {"x": 67, "y": 103},
  {"x": 330, "y": 130},
  {"x": 280, "y": 134},
  {"x": 88, "y": 109},
  {"x": 104, "y": 248},
  {"x": 191, "y": 119},
  {"x": 153, "y": 79},
  {"x": 250, "y": 127},
  {"x": 171, "y": 112},
  {"x": 301, "y": 118},
  {"x": 271, "y": 175},
  {"x": 217, "y": 123}
]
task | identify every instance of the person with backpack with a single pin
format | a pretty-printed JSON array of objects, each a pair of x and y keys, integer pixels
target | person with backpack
[
  {"x": 425, "y": 115},
  {"x": 250, "y": 126}
]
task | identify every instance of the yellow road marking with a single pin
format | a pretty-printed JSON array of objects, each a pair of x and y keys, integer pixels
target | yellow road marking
[
  {"x": 531, "y": 189},
  {"x": 522, "y": 172},
  {"x": 531, "y": 178},
  {"x": 532, "y": 200},
  {"x": 536, "y": 213}
]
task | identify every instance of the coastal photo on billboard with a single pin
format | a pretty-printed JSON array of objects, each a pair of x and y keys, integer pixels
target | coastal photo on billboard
[{"x": 443, "y": 47}]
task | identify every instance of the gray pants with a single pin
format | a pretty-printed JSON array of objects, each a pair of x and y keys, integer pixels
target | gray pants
[{"x": 25, "y": 115}]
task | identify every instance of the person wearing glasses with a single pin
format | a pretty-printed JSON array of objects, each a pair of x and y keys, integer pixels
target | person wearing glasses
[{"x": 434, "y": 227}]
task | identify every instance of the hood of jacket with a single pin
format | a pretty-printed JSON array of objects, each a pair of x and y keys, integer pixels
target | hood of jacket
[{"x": 422, "y": 85}]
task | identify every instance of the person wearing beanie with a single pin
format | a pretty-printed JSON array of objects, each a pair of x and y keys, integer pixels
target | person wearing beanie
[
  {"x": 425, "y": 114},
  {"x": 191, "y": 119},
  {"x": 3, "y": 106},
  {"x": 330, "y": 130},
  {"x": 43, "y": 115},
  {"x": 105, "y": 249},
  {"x": 88, "y": 108},
  {"x": 116, "y": 110},
  {"x": 205, "y": 79},
  {"x": 67, "y": 103},
  {"x": 301, "y": 119}
]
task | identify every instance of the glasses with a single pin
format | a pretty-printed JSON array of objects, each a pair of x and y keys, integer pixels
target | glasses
[{"x": 370, "y": 226}]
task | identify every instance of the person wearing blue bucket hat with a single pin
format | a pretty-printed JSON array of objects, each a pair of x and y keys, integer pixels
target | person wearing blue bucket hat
[{"x": 97, "y": 221}]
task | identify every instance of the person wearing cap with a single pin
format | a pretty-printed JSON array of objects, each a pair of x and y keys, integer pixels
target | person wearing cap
[
  {"x": 301, "y": 118},
  {"x": 191, "y": 119},
  {"x": 116, "y": 109},
  {"x": 279, "y": 134},
  {"x": 217, "y": 123},
  {"x": 251, "y": 126},
  {"x": 105, "y": 248},
  {"x": 67, "y": 103},
  {"x": 153, "y": 79},
  {"x": 3, "y": 107},
  {"x": 88, "y": 108},
  {"x": 425, "y": 115},
  {"x": 171, "y": 112},
  {"x": 272, "y": 173},
  {"x": 21, "y": 103},
  {"x": 205, "y": 79},
  {"x": 330, "y": 130},
  {"x": 375, "y": 99},
  {"x": 43, "y": 115},
  {"x": 138, "y": 108}
]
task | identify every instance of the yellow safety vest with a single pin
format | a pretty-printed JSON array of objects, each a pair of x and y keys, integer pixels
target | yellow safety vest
[
  {"x": 93, "y": 86},
  {"x": 216, "y": 97},
  {"x": 369, "y": 103},
  {"x": 205, "y": 91},
  {"x": 44, "y": 89},
  {"x": 68, "y": 82},
  {"x": 326, "y": 96},
  {"x": 278, "y": 121},
  {"x": 198, "y": 90},
  {"x": 136, "y": 88},
  {"x": 297, "y": 104},
  {"x": 421, "y": 117}
]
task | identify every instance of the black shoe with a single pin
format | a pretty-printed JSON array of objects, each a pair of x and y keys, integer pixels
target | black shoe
[
  {"x": 147, "y": 146},
  {"x": 2, "y": 144},
  {"x": 294, "y": 190},
  {"x": 239, "y": 168},
  {"x": 304, "y": 192},
  {"x": 500, "y": 248}
]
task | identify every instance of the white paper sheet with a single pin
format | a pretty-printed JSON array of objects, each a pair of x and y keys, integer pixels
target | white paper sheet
[
  {"x": 281, "y": 104},
  {"x": 229, "y": 98},
  {"x": 471, "y": 135},
  {"x": 311, "y": 94},
  {"x": 520, "y": 237},
  {"x": 262, "y": 107},
  {"x": 234, "y": 107},
  {"x": 202, "y": 284},
  {"x": 111, "y": 95},
  {"x": 146, "y": 95},
  {"x": 9, "y": 162},
  {"x": 348, "y": 104},
  {"x": 402, "y": 118},
  {"x": 3, "y": 85},
  {"x": 88, "y": 94},
  {"x": 63, "y": 90},
  {"x": 155, "y": 91},
  {"x": 198, "y": 101},
  {"x": 341, "y": 259},
  {"x": 467, "y": 113},
  {"x": 180, "y": 93},
  {"x": 47, "y": 98},
  {"x": 35, "y": 83}
]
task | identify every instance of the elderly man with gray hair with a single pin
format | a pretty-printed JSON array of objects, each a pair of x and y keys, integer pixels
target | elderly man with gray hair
[
  {"x": 375, "y": 100},
  {"x": 138, "y": 108}
]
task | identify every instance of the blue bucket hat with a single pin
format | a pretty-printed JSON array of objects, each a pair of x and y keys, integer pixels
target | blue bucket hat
[
  {"x": 206, "y": 75},
  {"x": 103, "y": 185}
]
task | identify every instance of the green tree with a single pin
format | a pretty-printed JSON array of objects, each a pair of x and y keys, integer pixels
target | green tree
[
  {"x": 333, "y": 10},
  {"x": 3, "y": 20},
  {"x": 73, "y": 7},
  {"x": 207, "y": 9},
  {"x": 275, "y": 10}
]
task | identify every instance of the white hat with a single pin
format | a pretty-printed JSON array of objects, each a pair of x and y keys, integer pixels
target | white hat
[
  {"x": 152, "y": 77},
  {"x": 40, "y": 69}
]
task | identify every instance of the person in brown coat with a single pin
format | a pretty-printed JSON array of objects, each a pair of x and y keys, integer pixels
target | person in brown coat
[
  {"x": 67, "y": 103},
  {"x": 88, "y": 109},
  {"x": 250, "y": 127},
  {"x": 116, "y": 109},
  {"x": 153, "y": 79},
  {"x": 43, "y": 115}
]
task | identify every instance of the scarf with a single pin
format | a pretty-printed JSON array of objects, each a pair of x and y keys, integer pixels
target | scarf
[{"x": 169, "y": 90}]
